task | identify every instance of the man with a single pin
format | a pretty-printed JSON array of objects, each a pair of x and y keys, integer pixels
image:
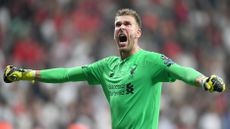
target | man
[{"x": 132, "y": 82}]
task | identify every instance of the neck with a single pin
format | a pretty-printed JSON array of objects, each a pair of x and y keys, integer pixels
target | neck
[{"x": 126, "y": 54}]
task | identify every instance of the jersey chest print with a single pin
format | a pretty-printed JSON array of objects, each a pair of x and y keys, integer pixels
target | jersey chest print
[
  {"x": 122, "y": 89},
  {"x": 117, "y": 90}
]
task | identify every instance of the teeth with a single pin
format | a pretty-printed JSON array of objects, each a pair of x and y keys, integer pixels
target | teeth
[{"x": 122, "y": 34}]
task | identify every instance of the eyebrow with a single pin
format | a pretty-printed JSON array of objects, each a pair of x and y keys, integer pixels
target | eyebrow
[{"x": 125, "y": 22}]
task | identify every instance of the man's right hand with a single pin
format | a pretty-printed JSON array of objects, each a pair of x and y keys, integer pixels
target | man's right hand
[{"x": 12, "y": 74}]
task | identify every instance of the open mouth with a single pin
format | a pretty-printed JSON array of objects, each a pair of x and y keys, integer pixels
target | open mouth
[{"x": 122, "y": 38}]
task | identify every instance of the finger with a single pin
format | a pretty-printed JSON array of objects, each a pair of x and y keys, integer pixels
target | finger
[
  {"x": 11, "y": 69},
  {"x": 207, "y": 86},
  {"x": 218, "y": 86}
]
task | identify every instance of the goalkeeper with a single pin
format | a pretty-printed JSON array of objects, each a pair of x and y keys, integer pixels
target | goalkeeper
[{"x": 132, "y": 82}]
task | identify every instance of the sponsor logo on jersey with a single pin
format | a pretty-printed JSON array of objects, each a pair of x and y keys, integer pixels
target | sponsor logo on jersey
[
  {"x": 118, "y": 90},
  {"x": 129, "y": 88}
]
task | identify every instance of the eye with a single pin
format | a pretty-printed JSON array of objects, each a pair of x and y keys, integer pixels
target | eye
[
  {"x": 118, "y": 24},
  {"x": 127, "y": 23}
]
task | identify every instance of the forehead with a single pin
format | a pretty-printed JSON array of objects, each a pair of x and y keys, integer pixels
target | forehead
[{"x": 125, "y": 18}]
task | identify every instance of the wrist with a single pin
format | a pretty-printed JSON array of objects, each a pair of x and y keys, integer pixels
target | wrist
[
  {"x": 200, "y": 81},
  {"x": 28, "y": 74}
]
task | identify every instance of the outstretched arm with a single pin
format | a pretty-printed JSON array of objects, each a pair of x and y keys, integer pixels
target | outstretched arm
[
  {"x": 60, "y": 75},
  {"x": 193, "y": 77},
  {"x": 55, "y": 75}
]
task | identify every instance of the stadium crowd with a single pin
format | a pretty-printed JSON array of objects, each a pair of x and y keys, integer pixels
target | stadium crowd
[{"x": 42, "y": 34}]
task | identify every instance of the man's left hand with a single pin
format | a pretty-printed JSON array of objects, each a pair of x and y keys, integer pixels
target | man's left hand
[{"x": 214, "y": 83}]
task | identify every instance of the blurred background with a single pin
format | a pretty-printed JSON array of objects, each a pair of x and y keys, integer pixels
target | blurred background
[{"x": 41, "y": 34}]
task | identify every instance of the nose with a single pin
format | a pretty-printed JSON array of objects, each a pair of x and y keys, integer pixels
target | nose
[{"x": 122, "y": 27}]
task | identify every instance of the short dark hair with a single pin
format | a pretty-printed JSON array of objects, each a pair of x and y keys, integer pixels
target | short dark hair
[{"x": 130, "y": 12}]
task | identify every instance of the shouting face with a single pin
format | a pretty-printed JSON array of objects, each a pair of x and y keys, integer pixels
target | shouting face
[{"x": 126, "y": 33}]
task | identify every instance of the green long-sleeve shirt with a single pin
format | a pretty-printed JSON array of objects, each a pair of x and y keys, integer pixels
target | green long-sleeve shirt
[{"x": 132, "y": 86}]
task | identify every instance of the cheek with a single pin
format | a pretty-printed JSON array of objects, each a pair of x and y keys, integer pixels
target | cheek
[
  {"x": 115, "y": 32},
  {"x": 131, "y": 32}
]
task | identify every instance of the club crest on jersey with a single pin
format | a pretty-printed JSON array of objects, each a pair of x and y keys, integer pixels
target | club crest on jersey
[
  {"x": 132, "y": 71},
  {"x": 167, "y": 61}
]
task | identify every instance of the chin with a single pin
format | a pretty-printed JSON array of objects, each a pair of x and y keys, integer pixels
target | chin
[{"x": 124, "y": 50}]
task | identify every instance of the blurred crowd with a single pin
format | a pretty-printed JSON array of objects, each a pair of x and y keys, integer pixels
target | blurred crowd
[{"x": 42, "y": 34}]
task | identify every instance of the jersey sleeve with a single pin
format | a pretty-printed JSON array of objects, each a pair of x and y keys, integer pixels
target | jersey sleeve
[
  {"x": 163, "y": 63},
  {"x": 61, "y": 75},
  {"x": 172, "y": 71},
  {"x": 186, "y": 74},
  {"x": 94, "y": 72}
]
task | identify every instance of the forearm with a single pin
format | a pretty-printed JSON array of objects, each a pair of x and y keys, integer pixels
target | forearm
[
  {"x": 186, "y": 74},
  {"x": 60, "y": 75}
]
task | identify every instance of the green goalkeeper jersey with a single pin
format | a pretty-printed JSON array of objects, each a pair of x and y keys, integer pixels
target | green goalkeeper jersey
[{"x": 133, "y": 86}]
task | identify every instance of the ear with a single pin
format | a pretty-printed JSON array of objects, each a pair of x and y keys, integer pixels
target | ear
[{"x": 139, "y": 33}]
